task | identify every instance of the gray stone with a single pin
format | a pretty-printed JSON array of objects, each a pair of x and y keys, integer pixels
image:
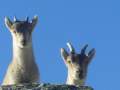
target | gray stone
[{"x": 48, "y": 86}]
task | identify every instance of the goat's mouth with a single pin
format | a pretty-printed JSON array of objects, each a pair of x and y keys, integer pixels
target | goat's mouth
[
  {"x": 24, "y": 43},
  {"x": 80, "y": 74}
]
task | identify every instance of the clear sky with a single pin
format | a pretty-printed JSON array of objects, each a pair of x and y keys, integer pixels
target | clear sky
[{"x": 96, "y": 22}]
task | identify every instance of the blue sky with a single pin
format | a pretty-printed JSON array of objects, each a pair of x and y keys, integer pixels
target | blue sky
[{"x": 96, "y": 22}]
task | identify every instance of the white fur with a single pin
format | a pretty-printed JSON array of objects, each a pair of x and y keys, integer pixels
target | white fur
[{"x": 23, "y": 66}]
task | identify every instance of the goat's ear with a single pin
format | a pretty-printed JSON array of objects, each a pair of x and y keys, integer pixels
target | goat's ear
[
  {"x": 91, "y": 54},
  {"x": 34, "y": 21},
  {"x": 8, "y": 23},
  {"x": 64, "y": 54}
]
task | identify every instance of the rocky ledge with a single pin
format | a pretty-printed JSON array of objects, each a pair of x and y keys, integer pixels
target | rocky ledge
[{"x": 36, "y": 86}]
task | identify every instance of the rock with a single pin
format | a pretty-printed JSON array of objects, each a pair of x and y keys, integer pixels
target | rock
[{"x": 48, "y": 86}]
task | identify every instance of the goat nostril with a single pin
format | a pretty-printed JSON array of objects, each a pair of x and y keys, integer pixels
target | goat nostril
[
  {"x": 79, "y": 71},
  {"x": 24, "y": 42}
]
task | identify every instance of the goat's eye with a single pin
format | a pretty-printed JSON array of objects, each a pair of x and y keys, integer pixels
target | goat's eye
[{"x": 69, "y": 61}]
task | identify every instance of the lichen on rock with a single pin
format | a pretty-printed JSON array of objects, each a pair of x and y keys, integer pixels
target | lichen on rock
[{"x": 47, "y": 86}]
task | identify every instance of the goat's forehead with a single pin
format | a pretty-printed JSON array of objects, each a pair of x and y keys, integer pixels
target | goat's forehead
[
  {"x": 21, "y": 25},
  {"x": 76, "y": 58},
  {"x": 73, "y": 56}
]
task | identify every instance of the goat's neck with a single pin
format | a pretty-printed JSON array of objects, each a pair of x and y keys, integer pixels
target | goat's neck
[
  {"x": 72, "y": 78},
  {"x": 23, "y": 55}
]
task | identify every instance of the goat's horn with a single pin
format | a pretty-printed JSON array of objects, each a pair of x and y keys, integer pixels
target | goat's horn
[
  {"x": 15, "y": 19},
  {"x": 27, "y": 19},
  {"x": 84, "y": 49},
  {"x": 72, "y": 50}
]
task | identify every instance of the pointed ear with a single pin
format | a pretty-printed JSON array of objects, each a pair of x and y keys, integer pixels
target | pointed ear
[
  {"x": 8, "y": 23},
  {"x": 91, "y": 54},
  {"x": 34, "y": 21},
  {"x": 64, "y": 54}
]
